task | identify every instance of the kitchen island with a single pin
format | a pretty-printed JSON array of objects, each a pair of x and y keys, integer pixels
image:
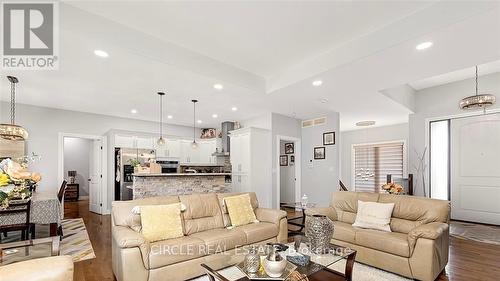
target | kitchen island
[{"x": 152, "y": 185}]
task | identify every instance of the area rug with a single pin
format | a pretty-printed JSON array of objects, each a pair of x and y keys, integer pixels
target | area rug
[
  {"x": 361, "y": 272},
  {"x": 75, "y": 242},
  {"x": 476, "y": 232}
]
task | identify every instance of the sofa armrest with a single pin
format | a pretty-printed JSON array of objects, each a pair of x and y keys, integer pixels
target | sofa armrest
[
  {"x": 125, "y": 237},
  {"x": 57, "y": 268},
  {"x": 326, "y": 211},
  {"x": 270, "y": 215},
  {"x": 431, "y": 231}
]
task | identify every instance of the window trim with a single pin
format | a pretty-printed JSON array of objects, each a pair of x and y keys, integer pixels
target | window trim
[{"x": 353, "y": 157}]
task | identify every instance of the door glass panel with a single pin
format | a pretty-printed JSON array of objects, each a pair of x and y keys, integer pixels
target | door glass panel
[{"x": 439, "y": 159}]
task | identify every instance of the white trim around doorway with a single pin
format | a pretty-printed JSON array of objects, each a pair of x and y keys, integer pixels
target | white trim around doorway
[
  {"x": 298, "y": 164},
  {"x": 60, "y": 164}
]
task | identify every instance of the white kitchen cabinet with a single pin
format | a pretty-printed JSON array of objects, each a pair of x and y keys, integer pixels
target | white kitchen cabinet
[
  {"x": 124, "y": 141},
  {"x": 173, "y": 148},
  {"x": 251, "y": 162},
  {"x": 206, "y": 148},
  {"x": 188, "y": 154},
  {"x": 144, "y": 142}
]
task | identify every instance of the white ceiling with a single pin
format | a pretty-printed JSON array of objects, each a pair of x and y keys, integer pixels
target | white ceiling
[{"x": 266, "y": 54}]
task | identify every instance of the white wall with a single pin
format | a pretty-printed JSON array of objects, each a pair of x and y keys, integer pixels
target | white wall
[
  {"x": 76, "y": 158},
  {"x": 442, "y": 102},
  {"x": 287, "y": 178},
  {"x": 45, "y": 124},
  {"x": 369, "y": 135},
  {"x": 320, "y": 177}
]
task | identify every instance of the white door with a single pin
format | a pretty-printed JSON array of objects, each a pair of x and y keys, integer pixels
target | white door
[
  {"x": 95, "y": 177},
  {"x": 475, "y": 169}
]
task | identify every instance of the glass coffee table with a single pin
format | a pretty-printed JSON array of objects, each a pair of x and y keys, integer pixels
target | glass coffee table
[
  {"x": 29, "y": 249},
  {"x": 297, "y": 221},
  {"x": 327, "y": 266}
]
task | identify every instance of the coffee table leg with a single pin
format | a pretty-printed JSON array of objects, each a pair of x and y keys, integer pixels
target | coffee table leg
[{"x": 349, "y": 266}]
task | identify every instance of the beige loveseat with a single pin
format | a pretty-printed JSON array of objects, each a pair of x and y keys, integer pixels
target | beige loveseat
[
  {"x": 418, "y": 246},
  {"x": 206, "y": 237}
]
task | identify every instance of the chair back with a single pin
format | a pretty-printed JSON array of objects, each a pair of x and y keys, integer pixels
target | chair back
[
  {"x": 62, "y": 190},
  {"x": 18, "y": 207}
]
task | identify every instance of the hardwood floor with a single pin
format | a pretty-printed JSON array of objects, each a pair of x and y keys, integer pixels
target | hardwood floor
[{"x": 468, "y": 260}]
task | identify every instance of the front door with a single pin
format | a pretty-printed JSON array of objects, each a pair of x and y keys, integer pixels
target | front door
[{"x": 475, "y": 169}]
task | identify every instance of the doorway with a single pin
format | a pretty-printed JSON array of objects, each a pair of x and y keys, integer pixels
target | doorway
[
  {"x": 82, "y": 164},
  {"x": 464, "y": 169},
  {"x": 288, "y": 188}
]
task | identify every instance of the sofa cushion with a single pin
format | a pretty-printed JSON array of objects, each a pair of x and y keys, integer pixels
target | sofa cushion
[
  {"x": 202, "y": 213},
  {"x": 240, "y": 210},
  {"x": 122, "y": 210},
  {"x": 344, "y": 232},
  {"x": 160, "y": 222},
  {"x": 225, "y": 214},
  {"x": 374, "y": 215},
  {"x": 172, "y": 251},
  {"x": 222, "y": 239},
  {"x": 390, "y": 242},
  {"x": 346, "y": 204},
  {"x": 256, "y": 232}
]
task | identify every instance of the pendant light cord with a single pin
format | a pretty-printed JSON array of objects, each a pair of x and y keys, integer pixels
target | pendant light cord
[
  {"x": 161, "y": 116},
  {"x": 12, "y": 102},
  {"x": 194, "y": 121},
  {"x": 476, "y": 81}
]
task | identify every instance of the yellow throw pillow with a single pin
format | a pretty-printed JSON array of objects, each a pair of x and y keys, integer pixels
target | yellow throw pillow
[
  {"x": 161, "y": 222},
  {"x": 240, "y": 210}
]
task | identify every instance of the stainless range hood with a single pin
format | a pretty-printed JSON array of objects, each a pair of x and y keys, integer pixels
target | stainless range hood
[{"x": 226, "y": 147}]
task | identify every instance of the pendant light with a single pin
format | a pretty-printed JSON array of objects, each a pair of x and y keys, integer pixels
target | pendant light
[
  {"x": 477, "y": 101},
  {"x": 194, "y": 145},
  {"x": 12, "y": 131},
  {"x": 161, "y": 140}
]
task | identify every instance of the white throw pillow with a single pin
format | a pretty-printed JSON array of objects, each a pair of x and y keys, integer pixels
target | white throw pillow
[{"x": 374, "y": 215}]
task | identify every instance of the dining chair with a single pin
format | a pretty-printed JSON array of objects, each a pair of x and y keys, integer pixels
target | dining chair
[
  {"x": 21, "y": 210},
  {"x": 60, "y": 197}
]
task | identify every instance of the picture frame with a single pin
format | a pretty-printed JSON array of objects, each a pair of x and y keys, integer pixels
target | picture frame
[
  {"x": 292, "y": 160},
  {"x": 329, "y": 138},
  {"x": 283, "y": 160},
  {"x": 208, "y": 133},
  {"x": 289, "y": 148},
  {"x": 319, "y": 153}
]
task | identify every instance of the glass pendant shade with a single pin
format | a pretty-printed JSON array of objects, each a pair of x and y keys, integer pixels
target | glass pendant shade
[
  {"x": 194, "y": 145},
  {"x": 160, "y": 141},
  {"x": 12, "y": 131},
  {"x": 477, "y": 101}
]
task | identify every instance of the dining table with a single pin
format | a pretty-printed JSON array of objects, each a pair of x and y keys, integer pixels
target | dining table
[{"x": 45, "y": 209}]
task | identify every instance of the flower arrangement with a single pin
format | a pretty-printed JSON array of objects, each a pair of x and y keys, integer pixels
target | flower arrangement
[
  {"x": 393, "y": 188},
  {"x": 15, "y": 181}
]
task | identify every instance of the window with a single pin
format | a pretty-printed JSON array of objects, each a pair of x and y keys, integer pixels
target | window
[
  {"x": 439, "y": 159},
  {"x": 373, "y": 162}
]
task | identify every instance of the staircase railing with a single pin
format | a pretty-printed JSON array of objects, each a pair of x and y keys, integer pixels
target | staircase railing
[{"x": 342, "y": 186}]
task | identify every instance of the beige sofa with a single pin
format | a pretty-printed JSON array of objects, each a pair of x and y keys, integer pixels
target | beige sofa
[
  {"x": 206, "y": 238},
  {"x": 58, "y": 268},
  {"x": 418, "y": 246}
]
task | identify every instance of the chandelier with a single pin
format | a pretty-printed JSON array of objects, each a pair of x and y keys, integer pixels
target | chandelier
[
  {"x": 12, "y": 131},
  {"x": 477, "y": 101}
]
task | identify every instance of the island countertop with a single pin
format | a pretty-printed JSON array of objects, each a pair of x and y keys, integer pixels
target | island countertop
[{"x": 179, "y": 174}]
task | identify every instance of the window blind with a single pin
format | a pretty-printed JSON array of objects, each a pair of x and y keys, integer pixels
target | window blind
[{"x": 379, "y": 160}]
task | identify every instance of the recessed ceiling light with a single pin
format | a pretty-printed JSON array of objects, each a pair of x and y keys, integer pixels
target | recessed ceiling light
[
  {"x": 170, "y": 116},
  {"x": 424, "y": 45},
  {"x": 323, "y": 100},
  {"x": 234, "y": 108},
  {"x": 365, "y": 123},
  {"x": 218, "y": 86},
  {"x": 215, "y": 115},
  {"x": 199, "y": 121},
  {"x": 133, "y": 111},
  {"x": 101, "y": 53},
  {"x": 317, "y": 83}
]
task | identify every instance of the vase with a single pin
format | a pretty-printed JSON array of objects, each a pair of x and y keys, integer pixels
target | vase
[
  {"x": 252, "y": 261},
  {"x": 274, "y": 264},
  {"x": 319, "y": 232}
]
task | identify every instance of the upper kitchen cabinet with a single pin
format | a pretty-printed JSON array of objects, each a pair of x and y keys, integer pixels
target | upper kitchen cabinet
[
  {"x": 171, "y": 149},
  {"x": 127, "y": 141},
  {"x": 201, "y": 155}
]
